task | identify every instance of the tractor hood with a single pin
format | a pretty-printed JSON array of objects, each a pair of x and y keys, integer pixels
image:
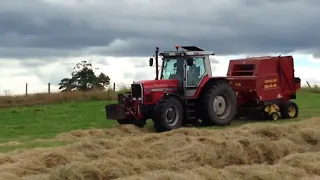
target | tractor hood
[{"x": 154, "y": 84}]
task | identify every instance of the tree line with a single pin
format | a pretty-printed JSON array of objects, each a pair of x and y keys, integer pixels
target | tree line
[{"x": 83, "y": 78}]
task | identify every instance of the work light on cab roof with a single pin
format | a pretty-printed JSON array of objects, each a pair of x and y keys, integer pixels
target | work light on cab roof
[{"x": 177, "y": 47}]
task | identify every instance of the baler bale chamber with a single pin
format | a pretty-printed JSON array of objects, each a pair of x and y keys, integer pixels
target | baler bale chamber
[{"x": 265, "y": 87}]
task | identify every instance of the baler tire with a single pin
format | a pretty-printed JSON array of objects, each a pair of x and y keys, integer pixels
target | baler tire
[
  {"x": 161, "y": 123},
  {"x": 209, "y": 117},
  {"x": 274, "y": 116},
  {"x": 285, "y": 110}
]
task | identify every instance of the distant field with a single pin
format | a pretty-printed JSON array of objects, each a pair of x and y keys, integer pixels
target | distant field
[
  {"x": 55, "y": 98},
  {"x": 58, "y": 98}
]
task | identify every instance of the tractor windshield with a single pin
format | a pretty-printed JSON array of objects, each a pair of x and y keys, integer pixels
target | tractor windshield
[{"x": 172, "y": 68}]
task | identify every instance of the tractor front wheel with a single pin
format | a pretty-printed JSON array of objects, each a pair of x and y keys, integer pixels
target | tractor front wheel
[
  {"x": 219, "y": 105},
  {"x": 168, "y": 114}
]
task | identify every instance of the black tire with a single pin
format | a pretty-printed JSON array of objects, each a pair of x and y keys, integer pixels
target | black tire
[
  {"x": 274, "y": 116},
  {"x": 218, "y": 90},
  {"x": 169, "y": 106},
  {"x": 289, "y": 110}
]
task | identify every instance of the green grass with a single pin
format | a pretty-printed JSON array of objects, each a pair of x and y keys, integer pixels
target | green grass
[
  {"x": 28, "y": 123},
  {"x": 44, "y": 122},
  {"x": 309, "y": 105},
  {"x": 32, "y": 144}
]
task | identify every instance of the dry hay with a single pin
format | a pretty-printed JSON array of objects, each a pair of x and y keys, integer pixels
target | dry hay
[{"x": 252, "y": 152}]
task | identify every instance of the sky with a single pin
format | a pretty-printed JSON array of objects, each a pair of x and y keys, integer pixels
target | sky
[{"x": 41, "y": 40}]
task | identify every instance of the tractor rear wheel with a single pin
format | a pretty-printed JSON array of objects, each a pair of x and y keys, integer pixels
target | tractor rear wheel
[
  {"x": 219, "y": 102},
  {"x": 168, "y": 114},
  {"x": 289, "y": 110}
]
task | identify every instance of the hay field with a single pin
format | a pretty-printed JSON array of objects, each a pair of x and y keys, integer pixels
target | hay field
[
  {"x": 252, "y": 151},
  {"x": 62, "y": 142}
]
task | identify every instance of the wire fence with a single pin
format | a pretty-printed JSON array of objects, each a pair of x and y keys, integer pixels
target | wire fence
[{"x": 32, "y": 88}]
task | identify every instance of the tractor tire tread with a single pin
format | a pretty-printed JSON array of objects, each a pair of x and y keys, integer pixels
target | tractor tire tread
[{"x": 160, "y": 124}]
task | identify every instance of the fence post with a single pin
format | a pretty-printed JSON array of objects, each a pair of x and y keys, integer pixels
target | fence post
[
  {"x": 308, "y": 84},
  {"x": 26, "y": 88},
  {"x": 49, "y": 89},
  {"x": 114, "y": 86}
]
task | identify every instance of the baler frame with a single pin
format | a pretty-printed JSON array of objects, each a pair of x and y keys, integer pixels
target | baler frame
[{"x": 270, "y": 79}]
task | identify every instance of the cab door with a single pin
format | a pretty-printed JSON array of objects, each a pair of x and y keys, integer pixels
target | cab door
[{"x": 194, "y": 74}]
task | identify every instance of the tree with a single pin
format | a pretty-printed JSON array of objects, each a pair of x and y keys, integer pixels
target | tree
[{"x": 83, "y": 78}]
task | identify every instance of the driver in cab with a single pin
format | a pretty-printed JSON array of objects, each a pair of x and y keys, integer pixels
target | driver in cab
[
  {"x": 192, "y": 77},
  {"x": 179, "y": 72}
]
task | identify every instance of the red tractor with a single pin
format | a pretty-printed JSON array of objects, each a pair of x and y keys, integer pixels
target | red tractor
[{"x": 187, "y": 93}]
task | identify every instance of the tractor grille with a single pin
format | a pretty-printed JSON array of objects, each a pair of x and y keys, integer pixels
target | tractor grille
[{"x": 136, "y": 91}]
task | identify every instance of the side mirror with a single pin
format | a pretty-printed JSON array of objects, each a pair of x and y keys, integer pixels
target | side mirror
[
  {"x": 189, "y": 61},
  {"x": 151, "y": 62}
]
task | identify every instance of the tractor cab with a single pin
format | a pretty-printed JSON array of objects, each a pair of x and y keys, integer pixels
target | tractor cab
[{"x": 189, "y": 66}]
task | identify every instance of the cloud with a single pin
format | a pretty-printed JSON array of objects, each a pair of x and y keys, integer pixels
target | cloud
[
  {"x": 41, "y": 41},
  {"x": 122, "y": 71},
  {"x": 128, "y": 75},
  {"x": 141, "y": 64},
  {"x": 48, "y": 28}
]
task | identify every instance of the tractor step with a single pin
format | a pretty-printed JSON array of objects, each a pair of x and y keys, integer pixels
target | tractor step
[
  {"x": 192, "y": 109},
  {"x": 191, "y": 104}
]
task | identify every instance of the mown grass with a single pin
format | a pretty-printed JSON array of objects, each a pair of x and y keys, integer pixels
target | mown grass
[
  {"x": 25, "y": 124},
  {"x": 253, "y": 151}
]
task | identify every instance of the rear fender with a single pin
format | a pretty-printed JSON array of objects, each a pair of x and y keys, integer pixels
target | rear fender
[
  {"x": 167, "y": 95},
  {"x": 207, "y": 82}
]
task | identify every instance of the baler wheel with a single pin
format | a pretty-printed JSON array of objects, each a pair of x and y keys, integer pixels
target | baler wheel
[
  {"x": 289, "y": 110},
  {"x": 219, "y": 105},
  {"x": 274, "y": 116},
  {"x": 168, "y": 114}
]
